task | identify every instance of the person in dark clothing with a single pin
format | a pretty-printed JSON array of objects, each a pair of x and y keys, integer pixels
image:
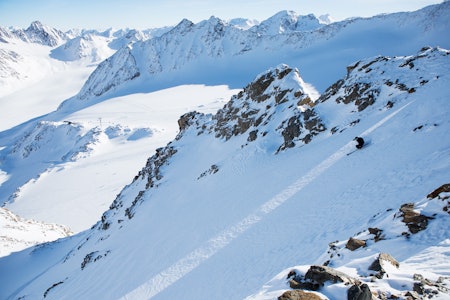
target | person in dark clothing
[{"x": 359, "y": 142}]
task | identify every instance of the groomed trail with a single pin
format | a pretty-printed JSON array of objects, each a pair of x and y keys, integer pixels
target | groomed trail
[{"x": 182, "y": 267}]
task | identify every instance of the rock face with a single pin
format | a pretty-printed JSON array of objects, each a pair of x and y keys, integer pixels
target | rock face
[
  {"x": 271, "y": 95},
  {"x": 317, "y": 276}
]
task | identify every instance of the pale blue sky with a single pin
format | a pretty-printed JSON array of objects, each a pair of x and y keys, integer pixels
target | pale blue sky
[{"x": 142, "y": 14}]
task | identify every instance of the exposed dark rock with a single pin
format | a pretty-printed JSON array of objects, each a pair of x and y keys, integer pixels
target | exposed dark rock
[
  {"x": 187, "y": 120},
  {"x": 445, "y": 188},
  {"x": 377, "y": 232},
  {"x": 212, "y": 170},
  {"x": 382, "y": 259},
  {"x": 244, "y": 112},
  {"x": 331, "y": 91},
  {"x": 298, "y": 295},
  {"x": 93, "y": 257},
  {"x": 414, "y": 220},
  {"x": 322, "y": 274},
  {"x": 359, "y": 292},
  {"x": 360, "y": 95},
  {"x": 411, "y": 295},
  {"x": 290, "y": 132},
  {"x": 252, "y": 135},
  {"x": 354, "y": 244},
  {"x": 427, "y": 287},
  {"x": 50, "y": 288},
  {"x": 256, "y": 89}
]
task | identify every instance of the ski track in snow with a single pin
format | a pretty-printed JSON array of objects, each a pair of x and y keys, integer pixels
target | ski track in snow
[{"x": 181, "y": 268}]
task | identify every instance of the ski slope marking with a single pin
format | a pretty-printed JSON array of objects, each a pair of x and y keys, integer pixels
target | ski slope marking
[{"x": 181, "y": 268}]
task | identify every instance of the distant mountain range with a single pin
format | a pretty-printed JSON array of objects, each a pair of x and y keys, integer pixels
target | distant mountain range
[{"x": 261, "y": 195}]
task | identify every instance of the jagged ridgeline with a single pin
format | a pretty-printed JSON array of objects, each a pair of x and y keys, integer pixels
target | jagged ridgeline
[
  {"x": 278, "y": 111},
  {"x": 240, "y": 194}
]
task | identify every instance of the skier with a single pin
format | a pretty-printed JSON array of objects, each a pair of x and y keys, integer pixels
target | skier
[{"x": 359, "y": 142}]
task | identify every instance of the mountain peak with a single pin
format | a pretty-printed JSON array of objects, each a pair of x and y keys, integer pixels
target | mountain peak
[
  {"x": 40, "y": 33},
  {"x": 268, "y": 108},
  {"x": 36, "y": 25},
  {"x": 288, "y": 21}
]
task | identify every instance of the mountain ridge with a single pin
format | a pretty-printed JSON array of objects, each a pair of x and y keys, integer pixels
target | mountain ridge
[
  {"x": 213, "y": 42},
  {"x": 234, "y": 216}
]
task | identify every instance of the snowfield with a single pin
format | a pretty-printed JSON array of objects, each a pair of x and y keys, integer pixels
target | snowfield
[{"x": 176, "y": 173}]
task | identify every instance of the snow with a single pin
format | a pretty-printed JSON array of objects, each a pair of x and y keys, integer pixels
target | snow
[
  {"x": 126, "y": 131},
  {"x": 213, "y": 215},
  {"x": 18, "y": 233}
]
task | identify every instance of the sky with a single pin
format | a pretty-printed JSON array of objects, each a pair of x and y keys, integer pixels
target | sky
[{"x": 144, "y": 14}]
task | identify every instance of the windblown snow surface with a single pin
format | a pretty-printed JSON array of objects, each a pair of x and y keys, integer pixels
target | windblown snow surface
[{"x": 246, "y": 190}]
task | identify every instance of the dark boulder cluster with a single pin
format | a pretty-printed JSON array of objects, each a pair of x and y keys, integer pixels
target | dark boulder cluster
[{"x": 317, "y": 277}]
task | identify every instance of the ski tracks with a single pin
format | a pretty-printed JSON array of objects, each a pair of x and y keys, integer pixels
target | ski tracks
[{"x": 181, "y": 268}]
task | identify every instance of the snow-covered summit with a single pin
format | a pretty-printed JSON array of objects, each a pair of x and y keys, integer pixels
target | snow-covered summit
[
  {"x": 180, "y": 55},
  {"x": 42, "y": 34},
  {"x": 286, "y": 22}
]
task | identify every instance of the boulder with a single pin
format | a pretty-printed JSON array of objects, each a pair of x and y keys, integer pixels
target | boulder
[
  {"x": 322, "y": 274},
  {"x": 382, "y": 259},
  {"x": 359, "y": 292},
  {"x": 414, "y": 220},
  {"x": 354, "y": 244},
  {"x": 298, "y": 295}
]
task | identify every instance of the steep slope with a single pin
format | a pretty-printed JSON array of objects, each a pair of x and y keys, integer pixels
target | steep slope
[
  {"x": 181, "y": 55},
  {"x": 231, "y": 202},
  {"x": 45, "y": 162}
]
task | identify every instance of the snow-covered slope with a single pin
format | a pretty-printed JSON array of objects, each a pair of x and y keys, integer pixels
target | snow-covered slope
[
  {"x": 402, "y": 252},
  {"x": 18, "y": 233},
  {"x": 243, "y": 194},
  {"x": 67, "y": 168},
  {"x": 183, "y": 54},
  {"x": 29, "y": 55}
]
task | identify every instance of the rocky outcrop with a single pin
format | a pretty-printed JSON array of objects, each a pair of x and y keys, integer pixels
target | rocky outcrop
[
  {"x": 359, "y": 292},
  {"x": 382, "y": 260},
  {"x": 415, "y": 221},
  {"x": 317, "y": 276},
  {"x": 354, "y": 244},
  {"x": 299, "y": 295},
  {"x": 271, "y": 97}
]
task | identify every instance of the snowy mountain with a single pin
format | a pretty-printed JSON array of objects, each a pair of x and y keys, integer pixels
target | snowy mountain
[
  {"x": 180, "y": 55},
  {"x": 40, "y": 34},
  {"x": 287, "y": 22},
  {"x": 267, "y": 183},
  {"x": 25, "y": 53},
  {"x": 18, "y": 233}
]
